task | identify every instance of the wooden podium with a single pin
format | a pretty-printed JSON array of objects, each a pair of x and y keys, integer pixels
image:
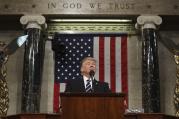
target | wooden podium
[{"x": 92, "y": 106}]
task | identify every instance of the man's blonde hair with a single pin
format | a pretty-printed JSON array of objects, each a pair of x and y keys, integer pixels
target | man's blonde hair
[{"x": 85, "y": 59}]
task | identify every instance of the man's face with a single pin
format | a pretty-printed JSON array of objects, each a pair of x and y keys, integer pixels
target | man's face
[{"x": 87, "y": 66}]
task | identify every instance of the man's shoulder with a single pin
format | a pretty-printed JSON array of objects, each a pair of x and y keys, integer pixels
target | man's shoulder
[
  {"x": 101, "y": 82},
  {"x": 102, "y": 86},
  {"x": 77, "y": 79}
]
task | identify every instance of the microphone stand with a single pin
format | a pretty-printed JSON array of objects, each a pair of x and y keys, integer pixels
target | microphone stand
[{"x": 91, "y": 73}]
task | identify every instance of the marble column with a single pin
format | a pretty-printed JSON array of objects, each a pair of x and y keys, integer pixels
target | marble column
[
  {"x": 150, "y": 68},
  {"x": 33, "y": 63}
]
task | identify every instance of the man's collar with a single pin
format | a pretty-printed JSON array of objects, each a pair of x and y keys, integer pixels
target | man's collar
[{"x": 85, "y": 77}]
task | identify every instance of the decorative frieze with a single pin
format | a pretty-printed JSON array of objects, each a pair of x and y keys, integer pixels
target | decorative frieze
[{"x": 90, "y": 7}]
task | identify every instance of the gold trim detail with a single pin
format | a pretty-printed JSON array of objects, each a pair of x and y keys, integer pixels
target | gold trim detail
[
  {"x": 176, "y": 90},
  {"x": 4, "y": 91},
  {"x": 91, "y": 28}
]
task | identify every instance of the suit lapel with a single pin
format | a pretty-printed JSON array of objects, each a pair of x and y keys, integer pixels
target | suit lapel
[
  {"x": 82, "y": 87},
  {"x": 95, "y": 85}
]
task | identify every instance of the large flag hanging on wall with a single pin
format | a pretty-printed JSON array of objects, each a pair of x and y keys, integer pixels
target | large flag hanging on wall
[{"x": 110, "y": 51}]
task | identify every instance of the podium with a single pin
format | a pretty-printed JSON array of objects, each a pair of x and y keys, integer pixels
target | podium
[{"x": 92, "y": 105}]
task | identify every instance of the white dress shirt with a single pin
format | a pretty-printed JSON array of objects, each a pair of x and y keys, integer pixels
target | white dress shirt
[{"x": 85, "y": 81}]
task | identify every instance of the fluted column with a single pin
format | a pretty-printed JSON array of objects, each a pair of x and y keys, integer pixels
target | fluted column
[
  {"x": 33, "y": 63},
  {"x": 150, "y": 68}
]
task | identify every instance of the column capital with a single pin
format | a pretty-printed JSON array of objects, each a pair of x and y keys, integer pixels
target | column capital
[
  {"x": 148, "y": 21},
  {"x": 33, "y": 21}
]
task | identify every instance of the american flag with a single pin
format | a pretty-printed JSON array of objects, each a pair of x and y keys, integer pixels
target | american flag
[{"x": 110, "y": 51}]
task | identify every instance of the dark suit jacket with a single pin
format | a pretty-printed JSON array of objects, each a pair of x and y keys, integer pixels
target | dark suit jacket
[{"x": 77, "y": 85}]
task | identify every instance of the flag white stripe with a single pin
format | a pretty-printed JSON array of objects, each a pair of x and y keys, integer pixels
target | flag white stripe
[
  {"x": 62, "y": 87},
  {"x": 96, "y": 55},
  {"x": 118, "y": 64},
  {"x": 107, "y": 68}
]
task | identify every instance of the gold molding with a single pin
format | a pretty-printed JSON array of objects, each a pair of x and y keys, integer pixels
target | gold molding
[
  {"x": 4, "y": 93},
  {"x": 113, "y": 28},
  {"x": 176, "y": 90}
]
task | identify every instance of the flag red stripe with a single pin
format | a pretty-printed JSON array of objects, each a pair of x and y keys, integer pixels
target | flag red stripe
[
  {"x": 124, "y": 64},
  {"x": 101, "y": 58},
  {"x": 112, "y": 64},
  {"x": 56, "y": 97}
]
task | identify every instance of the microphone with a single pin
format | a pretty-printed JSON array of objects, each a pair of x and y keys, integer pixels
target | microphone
[{"x": 91, "y": 73}]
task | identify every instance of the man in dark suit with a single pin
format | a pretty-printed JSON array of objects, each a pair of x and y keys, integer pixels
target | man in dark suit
[{"x": 86, "y": 82}]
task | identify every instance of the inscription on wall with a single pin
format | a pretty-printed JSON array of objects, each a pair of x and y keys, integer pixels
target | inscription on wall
[{"x": 90, "y": 7}]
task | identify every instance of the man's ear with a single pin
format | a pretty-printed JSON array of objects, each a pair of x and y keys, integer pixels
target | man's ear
[{"x": 82, "y": 70}]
